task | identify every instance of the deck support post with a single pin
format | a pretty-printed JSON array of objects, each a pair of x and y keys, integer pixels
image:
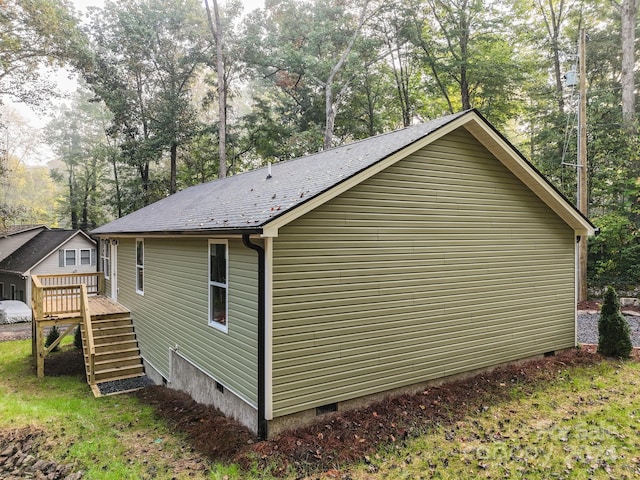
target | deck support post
[{"x": 39, "y": 343}]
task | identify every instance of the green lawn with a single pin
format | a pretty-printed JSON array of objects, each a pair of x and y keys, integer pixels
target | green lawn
[
  {"x": 585, "y": 424},
  {"x": 109, "y": 438}
]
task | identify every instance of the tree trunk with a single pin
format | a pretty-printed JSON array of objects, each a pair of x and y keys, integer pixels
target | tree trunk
[
  {"x": 628, "y": 14},
  {"x": 216, "y": 31},
  {"x": 331, "y": 110},
  {"x": 465, "y": 35},
  {"x": 174, "y": 167},
  {"x": 114, "y": 163},
  {"x": 73, "y": 201},
  {"x": 330, "y": 117},
  {"x": 553, "y": 21}
]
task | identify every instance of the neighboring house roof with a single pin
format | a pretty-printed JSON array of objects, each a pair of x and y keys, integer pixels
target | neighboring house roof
[
  {"x": 37, "y": 249},
  {"x": 263, "y": 200},
  {"x": 15, "y": 229}
]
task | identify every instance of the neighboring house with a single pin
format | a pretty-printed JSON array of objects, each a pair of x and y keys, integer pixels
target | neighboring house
[
  {"x": 50, "y": 251},
  {"x": 341, "y": 277}
]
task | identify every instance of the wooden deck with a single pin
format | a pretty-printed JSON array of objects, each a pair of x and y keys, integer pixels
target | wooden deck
[
  {"x": 78, "y": 301},
  {"x": 99, "y": 305}
]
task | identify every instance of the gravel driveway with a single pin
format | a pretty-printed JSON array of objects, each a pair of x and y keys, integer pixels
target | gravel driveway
[
  {"x": 588, "y": 328},
  {"x": 15, "y": 331}
]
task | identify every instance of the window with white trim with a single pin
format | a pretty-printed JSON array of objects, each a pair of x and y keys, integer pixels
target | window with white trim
[
  {"x": 106, "y": 258},
  {"x": 85, "y": 256},
  {"x": 1, "y": 291},
  {"x": 13, "y": 292},
  {"x": 218, "y": 286},
  {"x": 70, "y": 258},
  {"x": 140, "y": 266}
]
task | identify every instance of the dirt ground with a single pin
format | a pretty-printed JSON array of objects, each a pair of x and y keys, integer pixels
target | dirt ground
[{"x": 342, "y": 437}]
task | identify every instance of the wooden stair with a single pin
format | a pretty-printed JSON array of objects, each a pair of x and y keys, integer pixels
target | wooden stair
[{"x": 117, "y": 355}]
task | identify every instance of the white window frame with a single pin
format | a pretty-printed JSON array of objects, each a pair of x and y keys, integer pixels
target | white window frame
[
  {"x": 85, "y": 250},
  {"x": 213, "y": 323},
  {"x": 75, "y": 257},
  {"x": 13, "y": 292},
  {"x": 139, "y": 267},
  {"x": 1, "y": 290},
  {"x": 105, "y": 256}
]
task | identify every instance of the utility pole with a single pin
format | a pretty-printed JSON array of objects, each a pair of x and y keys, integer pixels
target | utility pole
[{"x": 582, "y": 200}]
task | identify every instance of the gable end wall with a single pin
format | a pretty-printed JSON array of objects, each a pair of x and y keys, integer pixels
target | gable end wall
[{"x": 441, "y": 264}]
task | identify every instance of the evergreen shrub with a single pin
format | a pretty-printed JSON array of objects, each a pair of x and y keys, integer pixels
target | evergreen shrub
[
  {"x": 52, "y": 336},
  {"x": 614, "y": 339}
]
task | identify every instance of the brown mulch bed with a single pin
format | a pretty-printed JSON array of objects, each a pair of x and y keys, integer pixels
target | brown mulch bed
[
  {"x": 351, "y": 436},
  {"x": 66, "y": 362},
  {"x": 597, "y": 304}
]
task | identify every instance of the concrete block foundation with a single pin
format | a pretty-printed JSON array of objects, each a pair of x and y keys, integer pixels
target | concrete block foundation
[{"x": 206, "y": 390}]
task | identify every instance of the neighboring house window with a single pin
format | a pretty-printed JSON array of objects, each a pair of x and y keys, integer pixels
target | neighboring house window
[
  {"x": 69, "y": 258},
  {"x": 21, "y": 295},
  {"x": 1, "y": 291},
  {"x": 218, "y": 287},
  {"x": 85, "y": 256},
  {"x": 13, "y": 292},
  {"x": 140, "y": 266},
  {"x": 106, "y": 258}
]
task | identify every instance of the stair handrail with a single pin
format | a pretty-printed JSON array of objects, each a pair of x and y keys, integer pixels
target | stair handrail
[{"x": 86, "y": 320}]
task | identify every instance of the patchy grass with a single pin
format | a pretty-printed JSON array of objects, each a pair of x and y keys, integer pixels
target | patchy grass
[
  {"x": 586, "y": 424},
  {"x": 108, "y": 438},
  {"x": 573, "y": 416}
]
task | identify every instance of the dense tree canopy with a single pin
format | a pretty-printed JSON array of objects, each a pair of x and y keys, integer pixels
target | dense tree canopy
[
  {"x": 179, "y": 93},
  {"x": 35, "y": 35}
]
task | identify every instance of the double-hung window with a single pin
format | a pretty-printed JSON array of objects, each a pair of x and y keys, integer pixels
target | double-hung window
[
  {"x": 106, "y": 258},
  {"x": 140, "y": 266},
  {"x": 85, "y": 256},
  {"x": 218, "y": 286},
  {"x": 70, "y": 258}
]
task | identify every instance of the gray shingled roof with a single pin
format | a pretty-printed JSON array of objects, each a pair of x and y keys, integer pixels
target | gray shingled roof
[
  {"x": 36, "y": 249},
  {"x": 15, "y": 229},
  {"x": 250, "y": 200}
]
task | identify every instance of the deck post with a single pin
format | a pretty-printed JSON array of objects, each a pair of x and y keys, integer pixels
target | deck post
[
  {"x": 101, "y": 283},
  {"x": 39, "y": 349}
]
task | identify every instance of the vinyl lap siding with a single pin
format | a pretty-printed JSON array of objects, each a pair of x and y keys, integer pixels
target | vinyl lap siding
[
  {"x": 173, "y": 311},
  {"x": 441, "y": 264}
]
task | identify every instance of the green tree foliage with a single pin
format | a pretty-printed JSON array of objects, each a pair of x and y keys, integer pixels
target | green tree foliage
[
  {"x": 614, "y": 255},
  {"x": 77, "y": 338},
  {"x": 36, "y": 35},
  {"x": 311, "y": 68},
  {"x": 52, "y": 336},
  {"x": 147, "y": 53},
  {"x": 613, "y": 330},
  {"x": 467, "y": 50},
  {"x": 27, "y": 194},
  {"x": 299, "y": 76},
  {"x": 78, "y": 138}
]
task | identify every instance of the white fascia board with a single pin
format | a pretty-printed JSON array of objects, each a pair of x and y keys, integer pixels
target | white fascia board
[{"x": 496, "y": 144}]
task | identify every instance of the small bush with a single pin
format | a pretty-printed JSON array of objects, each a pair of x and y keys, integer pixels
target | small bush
[
  {"x": 614, "y": 339},
  {"x": 77, "y": 338},
  {"x": 52, "y": 336}
]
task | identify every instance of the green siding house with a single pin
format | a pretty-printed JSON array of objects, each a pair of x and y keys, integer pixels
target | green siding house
[{"x": 325, "y": 282}]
